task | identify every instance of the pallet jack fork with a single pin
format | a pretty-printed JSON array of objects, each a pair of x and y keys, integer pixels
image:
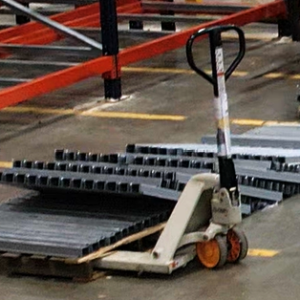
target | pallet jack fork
[{"x": 204, "y": 220}]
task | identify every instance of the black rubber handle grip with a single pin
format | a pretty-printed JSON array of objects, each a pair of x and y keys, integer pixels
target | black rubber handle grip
[{"x": 212, "y": 31}]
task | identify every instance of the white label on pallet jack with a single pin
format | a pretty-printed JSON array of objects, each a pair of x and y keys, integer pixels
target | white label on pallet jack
[{"x": 221, "y": 107}]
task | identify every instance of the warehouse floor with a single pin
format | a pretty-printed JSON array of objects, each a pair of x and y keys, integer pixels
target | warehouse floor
[{"x": 263, "y": 90}]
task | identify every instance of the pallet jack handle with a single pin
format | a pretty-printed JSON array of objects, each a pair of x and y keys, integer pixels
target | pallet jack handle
[
  {"x": 216, "y": 43},
  {"x": 217, "y": 79}
]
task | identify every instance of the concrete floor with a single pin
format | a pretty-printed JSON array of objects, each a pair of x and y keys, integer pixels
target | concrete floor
[{"x": 36, "y": 135}]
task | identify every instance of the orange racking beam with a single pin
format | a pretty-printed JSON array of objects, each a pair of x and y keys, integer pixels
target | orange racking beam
[
  {"x": 48, "y": 83},
  {"x": 168, "y": 43}
]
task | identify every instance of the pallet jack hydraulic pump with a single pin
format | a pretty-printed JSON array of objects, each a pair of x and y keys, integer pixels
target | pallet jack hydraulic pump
[{"x": 205, "y": 218}]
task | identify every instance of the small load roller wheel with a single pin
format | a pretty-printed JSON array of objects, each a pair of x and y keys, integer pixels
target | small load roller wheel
[
  {"x": 237, "y": 245},
  {"x": 213, "y": 254}
]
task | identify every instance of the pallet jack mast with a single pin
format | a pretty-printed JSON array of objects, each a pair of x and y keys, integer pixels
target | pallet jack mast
[{"x": 203, "y": 222}]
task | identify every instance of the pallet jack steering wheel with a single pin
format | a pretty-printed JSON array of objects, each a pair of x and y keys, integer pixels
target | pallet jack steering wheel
[{"x": 210, "y": 253}]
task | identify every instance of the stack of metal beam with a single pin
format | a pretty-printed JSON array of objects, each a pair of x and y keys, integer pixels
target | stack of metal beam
[
  {"x": 160, "y": 171},
  {"x": 132, "y": 190}
]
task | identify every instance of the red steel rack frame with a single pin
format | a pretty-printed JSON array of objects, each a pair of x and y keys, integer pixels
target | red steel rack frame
[{"x": 34, "y": 33}]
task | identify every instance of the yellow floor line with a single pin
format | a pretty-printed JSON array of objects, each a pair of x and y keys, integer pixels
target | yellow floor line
[
  {"x": 275, "y": 75},
  {"x": 98, "y": 114},
  {"x": 140, "y": 116},
  {"x": 5, "y": 164},
  {"x": 294, "y": 77},
  {"x": 262, "y": 252},
  {"x": 172, "y": 71},
  {"x": 247, "y": 122},
  {"x": 272, "y": 75},
  {"x": 157, "y": 70},
  {"x": 253, "y": 122},
  {"x": 235, "y": 73},
  {"x": 124, "y": 115},
  {"x": 253, "y": 36}
]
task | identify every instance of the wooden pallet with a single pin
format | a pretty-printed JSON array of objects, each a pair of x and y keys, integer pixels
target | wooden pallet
[{"x": 81, "y": 269}]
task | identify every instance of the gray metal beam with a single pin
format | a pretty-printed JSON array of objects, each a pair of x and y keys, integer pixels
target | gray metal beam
[
  {"x": 71, "y": 2},
  {"x": 127, "y": 32},
  {"x": 269, "y": 175},
  {"x": 35, "y": 63},
  {"x": 224, "y": 9},
  {"x": 157, "y": 192},
  {"x": 177, "y": 158},
  {"x": 253, "y": 192},
  {"x": 211, "y": 149},
  {"x": 261, "y": 193},
  {"x": 2, "y": 26},
  {"x": 162, "y": 18},
  {"x": 44, "y": 12},
  {"x": 72, "y": 175},
  {"x": 15, "y": 6},
  {"x": 71, "y": 181},
  {"x": 258, "y": 141},
  {"x": 174, "y": 195},
  {"x": 291, "y": 131},
  {"x": 106, "y": 168},
  {"x": 12, "y": 81},
  {"x": 253, "y": 163},
  {"x": 31, "y": 247},
  {"x": 49, "y": 50},
  {"x": 127, "y": 17},
  {"x": 170, "y": 161}
]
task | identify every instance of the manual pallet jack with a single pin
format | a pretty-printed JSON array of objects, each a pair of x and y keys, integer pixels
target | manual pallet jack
[{"x": 204, "y": 220}]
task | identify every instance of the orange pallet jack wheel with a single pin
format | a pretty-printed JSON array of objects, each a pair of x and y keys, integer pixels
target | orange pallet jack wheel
[
  {"x": 213, "y": 254},
  {"x": 237, "y": 245}
]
